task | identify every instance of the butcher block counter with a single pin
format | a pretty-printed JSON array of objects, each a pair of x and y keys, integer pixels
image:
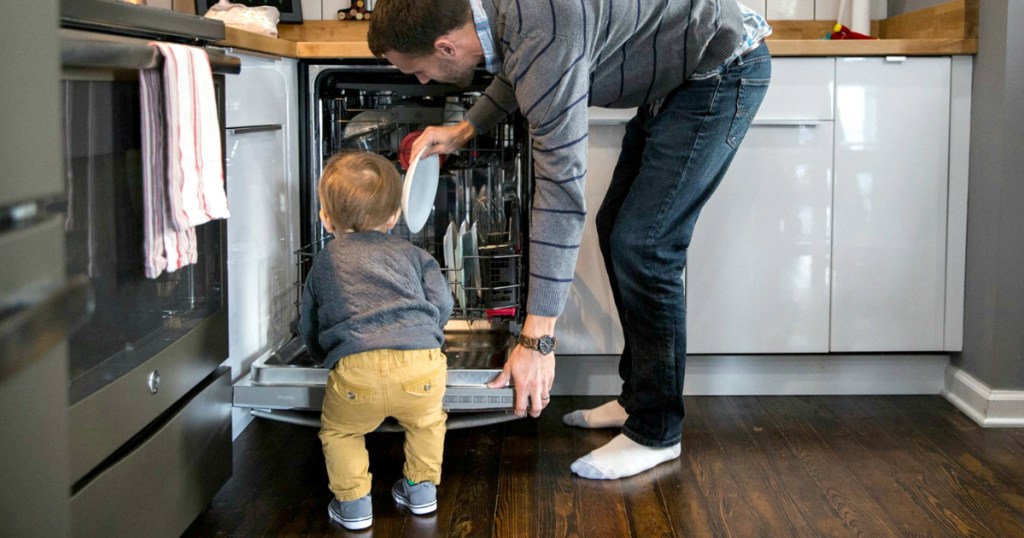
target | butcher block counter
[{"x": 946, "y": 29}]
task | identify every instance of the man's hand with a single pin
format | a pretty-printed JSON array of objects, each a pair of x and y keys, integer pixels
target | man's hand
[
  {"x": 443, "y": 139},
  {"x": 532, "y": 372}
]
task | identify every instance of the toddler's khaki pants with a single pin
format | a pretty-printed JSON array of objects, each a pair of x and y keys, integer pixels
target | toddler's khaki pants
[{"x": 364, "y": 389}]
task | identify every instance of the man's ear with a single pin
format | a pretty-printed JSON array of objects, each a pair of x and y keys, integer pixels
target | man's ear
[{"x": 445, "y": 46}]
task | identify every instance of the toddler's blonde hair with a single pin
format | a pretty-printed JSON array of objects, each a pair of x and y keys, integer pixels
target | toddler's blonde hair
[{"x": 359, "y": 191}]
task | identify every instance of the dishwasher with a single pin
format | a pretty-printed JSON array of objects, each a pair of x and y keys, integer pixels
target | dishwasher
[{"x": 476, "y": 231}]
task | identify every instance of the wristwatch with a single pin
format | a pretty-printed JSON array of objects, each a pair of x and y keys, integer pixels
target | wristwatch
[{"x": 545, "y": 344}]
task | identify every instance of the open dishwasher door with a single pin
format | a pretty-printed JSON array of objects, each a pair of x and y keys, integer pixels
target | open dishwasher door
[
  {"x": 474, "y": 230},
  {"x": 288, "y": 384}
]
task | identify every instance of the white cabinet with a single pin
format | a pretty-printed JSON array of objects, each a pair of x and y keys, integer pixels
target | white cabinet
[
  {"x": 261, "y": 152},
  {"x": 589, "y": 324},
  {"x": 891, "y": 165},
  {"x": 838, "y": 228},
  {"x": 758, "y": 266},
  {"x": 775, "y": 10},
  {"x": 828, "y": 10},
  {"x": 789, "y": 9}
]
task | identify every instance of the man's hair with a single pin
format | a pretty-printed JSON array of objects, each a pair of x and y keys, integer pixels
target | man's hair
[
  {"x": 411, "y": 26},
  {"x": 359, "y": 191}
]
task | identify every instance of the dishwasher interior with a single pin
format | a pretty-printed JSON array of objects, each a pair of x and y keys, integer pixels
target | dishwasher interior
[{"x": 476, "y": 231}]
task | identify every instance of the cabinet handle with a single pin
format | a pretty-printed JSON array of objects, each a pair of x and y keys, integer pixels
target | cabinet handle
[
  {"x": 787, "y": 123},
  {"x": 255, "y": 129}
]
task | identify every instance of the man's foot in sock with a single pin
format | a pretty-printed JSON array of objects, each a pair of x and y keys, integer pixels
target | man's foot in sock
[
  {"x": 608, "y": 415},
  {"x": 622, "y": 457}
]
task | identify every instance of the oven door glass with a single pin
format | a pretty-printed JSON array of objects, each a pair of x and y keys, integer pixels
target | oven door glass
[{"x": 135, "y": 317}]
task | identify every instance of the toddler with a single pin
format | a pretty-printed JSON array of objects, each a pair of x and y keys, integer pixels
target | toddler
[{"x": 373, "y": 310}]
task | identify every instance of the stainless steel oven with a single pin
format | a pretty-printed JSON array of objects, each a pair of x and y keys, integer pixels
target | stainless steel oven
[
  {"x": 149, "y": 414},
  {"x": 484, "y": 189}
]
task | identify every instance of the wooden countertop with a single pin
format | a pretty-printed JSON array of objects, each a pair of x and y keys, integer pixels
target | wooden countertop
[{"x": 946, "y": 29}]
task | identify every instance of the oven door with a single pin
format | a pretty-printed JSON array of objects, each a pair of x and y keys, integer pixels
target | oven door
[{"x": 152, "y": 345}]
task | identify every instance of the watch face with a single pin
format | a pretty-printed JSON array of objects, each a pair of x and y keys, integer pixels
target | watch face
[{"x": 545, "y": 344}]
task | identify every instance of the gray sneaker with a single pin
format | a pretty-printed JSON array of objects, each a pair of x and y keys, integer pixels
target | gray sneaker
[
  {"x": 353, "y": 515},
  {"x": 420, "y": 499}
]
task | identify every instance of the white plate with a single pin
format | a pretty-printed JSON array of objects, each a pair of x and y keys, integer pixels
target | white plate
[
  {"x": 460, "y": 274},
  {"x": 419, "y": 190},
  {"x": 471, "y": 253},
  {"x": 449, "y": 255}
]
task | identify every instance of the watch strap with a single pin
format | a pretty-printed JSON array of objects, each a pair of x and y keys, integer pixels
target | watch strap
[{"x": 536, "y": 344}]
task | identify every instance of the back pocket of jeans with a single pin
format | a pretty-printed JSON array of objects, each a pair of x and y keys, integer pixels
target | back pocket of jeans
[
  {"x": 748, "y": 100},
  {"x": 427, "y": 384},
  {"x": 356, "y": 394}
]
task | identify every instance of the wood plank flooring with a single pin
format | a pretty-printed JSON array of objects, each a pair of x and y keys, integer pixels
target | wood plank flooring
[{"x": 751, "y": 466}]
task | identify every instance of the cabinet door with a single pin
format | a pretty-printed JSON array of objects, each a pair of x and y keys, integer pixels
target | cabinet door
[
  {"x": 261, "y": 230},
  {"x": 889, "y": 238},
  {"x": 589, "y": 325},
  {"x": 758, "y": 265}
]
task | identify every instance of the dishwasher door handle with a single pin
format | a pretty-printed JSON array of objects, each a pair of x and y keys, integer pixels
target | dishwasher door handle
[{"x": 28, "y": 332}]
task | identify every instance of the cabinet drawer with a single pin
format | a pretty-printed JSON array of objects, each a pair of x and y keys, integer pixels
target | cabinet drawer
[
  {"x": 111, "y": 416},
  {"x": 801, "y": 89},
  {"x": 167, "y": 479}
]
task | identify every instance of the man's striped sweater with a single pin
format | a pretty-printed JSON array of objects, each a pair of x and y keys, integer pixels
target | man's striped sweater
[{"x": 557, "y": 58}]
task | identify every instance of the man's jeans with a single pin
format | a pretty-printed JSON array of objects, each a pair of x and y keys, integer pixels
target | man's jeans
[{"x": 671, "y": 162}]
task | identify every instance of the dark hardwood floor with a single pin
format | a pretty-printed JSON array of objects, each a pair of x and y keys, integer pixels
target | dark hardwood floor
[{"x": 751, "y": 466}]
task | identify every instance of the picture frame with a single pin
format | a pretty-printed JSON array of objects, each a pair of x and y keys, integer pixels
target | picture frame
[{"x": 291, "y": 10}]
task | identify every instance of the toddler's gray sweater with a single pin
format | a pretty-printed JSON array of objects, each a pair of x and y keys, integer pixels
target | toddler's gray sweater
[{"x": 368, "y": 290}]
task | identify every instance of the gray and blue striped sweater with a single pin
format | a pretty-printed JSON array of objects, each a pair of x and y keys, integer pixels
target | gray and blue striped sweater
[{"x": 557, "y": 58}]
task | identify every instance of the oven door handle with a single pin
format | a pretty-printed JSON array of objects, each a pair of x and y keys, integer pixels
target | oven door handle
[
  {"x": 28, "y": 332},
  {"x": 78, "y": 49}
]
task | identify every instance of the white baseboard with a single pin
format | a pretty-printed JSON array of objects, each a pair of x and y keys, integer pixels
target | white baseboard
[
  {"x": 989, "y": 408},
  {"x": 769, "y": 375}
]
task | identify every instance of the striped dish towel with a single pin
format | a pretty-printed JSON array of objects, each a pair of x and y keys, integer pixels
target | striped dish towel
[{"x": 183, "y": 176}]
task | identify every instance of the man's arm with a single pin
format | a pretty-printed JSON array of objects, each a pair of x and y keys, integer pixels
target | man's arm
[
  {"x": 497, "y": 102},
  {"x": 549, "y": 75}
]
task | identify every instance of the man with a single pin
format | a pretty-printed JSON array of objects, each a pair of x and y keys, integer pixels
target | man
[{"x": 697, "y": 70}]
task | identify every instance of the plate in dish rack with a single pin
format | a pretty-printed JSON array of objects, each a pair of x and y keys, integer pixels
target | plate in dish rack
[{"x": 419, "y": 190}]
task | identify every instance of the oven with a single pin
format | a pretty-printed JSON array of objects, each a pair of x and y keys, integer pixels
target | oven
[
  {"x": 476, "y": 231},
  {"x": 149, "y": 404}
]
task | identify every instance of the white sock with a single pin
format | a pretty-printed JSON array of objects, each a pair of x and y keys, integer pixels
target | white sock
[
  {"x": 622, "y": 457},
  {"x": 608, "y": 415}
]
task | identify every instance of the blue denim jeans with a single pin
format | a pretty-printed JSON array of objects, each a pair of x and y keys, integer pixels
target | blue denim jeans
[{"x": 672, "y": 160}]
